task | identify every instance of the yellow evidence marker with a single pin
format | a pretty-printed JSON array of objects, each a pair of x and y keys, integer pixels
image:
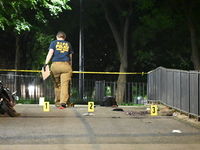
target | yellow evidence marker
[
  {"x": 46, "y": 106},
  {"x": 90, "y": 106},
  {"x": 154, "y": 110}
]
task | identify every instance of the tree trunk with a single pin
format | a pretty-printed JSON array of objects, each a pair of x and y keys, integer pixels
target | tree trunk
[
  {"x": 17, "y": 53},
  {"x": 122, "y": 78},
  {"x": 121, "y": 86},
  {"x": 121, "y": 38},
  {"x": 191, "y": 18},
  {"x": 186, "y": 9},
  {"x": 195, "y": 49}
]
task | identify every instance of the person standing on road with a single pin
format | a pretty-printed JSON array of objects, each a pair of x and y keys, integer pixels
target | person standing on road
[{"x": 61, "y": 53}]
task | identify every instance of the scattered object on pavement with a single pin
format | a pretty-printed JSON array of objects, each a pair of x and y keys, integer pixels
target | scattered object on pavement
[
  {"x": 167, "y": 111},
  {"x": 61, "y": 107},
  {"x": 116, "y": 117},
  {"x": 174, "y": 114},
  {"x": 118, "y": 109},
  {"x": 176, "y": 131},
  {"x": 88, "y": 114},
  {"x": 108, "y": 101},
  {"x": 136, "y": 113},
  {"x": 148, "y": 109}
]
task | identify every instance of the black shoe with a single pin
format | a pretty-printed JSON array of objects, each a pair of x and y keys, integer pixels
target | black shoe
[{"x": 63, "y": 105}]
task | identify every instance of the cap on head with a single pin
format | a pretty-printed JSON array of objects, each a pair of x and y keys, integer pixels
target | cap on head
[{"x": 61, "y": 34}]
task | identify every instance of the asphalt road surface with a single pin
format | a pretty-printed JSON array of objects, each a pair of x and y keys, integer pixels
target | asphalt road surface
[{"x": 72, "y": 128}]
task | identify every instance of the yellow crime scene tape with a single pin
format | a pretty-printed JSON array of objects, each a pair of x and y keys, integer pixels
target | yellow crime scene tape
[{"x": 87, "y": 72}]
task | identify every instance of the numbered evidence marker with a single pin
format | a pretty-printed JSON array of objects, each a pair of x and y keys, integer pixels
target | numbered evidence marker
[
  {"x": 90, "y": 106},
  {"x": 46, "y": 106},
  {"x": 154, "y": 110}
]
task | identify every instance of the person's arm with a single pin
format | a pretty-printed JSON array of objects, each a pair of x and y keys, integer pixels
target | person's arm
[
  {"x": 49, "y": 56},
  {"x": 70, "y": 56}
]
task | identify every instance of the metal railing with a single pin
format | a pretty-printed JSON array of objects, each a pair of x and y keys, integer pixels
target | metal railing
[
  {"x": 176, "y": 88},
  {"x": 31, "y": 87}
]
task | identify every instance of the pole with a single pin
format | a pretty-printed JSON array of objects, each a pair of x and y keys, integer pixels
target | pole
[{"x": 81, "y": 55}]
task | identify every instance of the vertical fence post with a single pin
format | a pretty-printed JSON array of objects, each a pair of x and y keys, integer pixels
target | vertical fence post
[{"x": 99, "y": 90}]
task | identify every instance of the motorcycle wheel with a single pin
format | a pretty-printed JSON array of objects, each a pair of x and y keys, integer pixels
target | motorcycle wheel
[{"x": 8, "y": 109}]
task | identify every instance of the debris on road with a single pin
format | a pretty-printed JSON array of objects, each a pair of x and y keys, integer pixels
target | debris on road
[
  {"x": 88, "y": 114},
  {"x": 176, "y": 131},
  {"x": 118, "y": 109},
  {"x": 136, "y": 113},
  {"x": 167, "y": 111}
]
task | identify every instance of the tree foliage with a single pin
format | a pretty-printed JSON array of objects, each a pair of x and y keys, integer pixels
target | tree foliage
[
  {"x": 20, "y": 17},
  {"x": 13, "y": 12},
  {"x": 158, "y": 34},
  {"x": 159, "y": 38},
  {"x": 189, "y": 11}
]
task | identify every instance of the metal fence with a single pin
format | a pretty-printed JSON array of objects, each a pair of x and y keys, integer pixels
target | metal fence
[
  {"x": 176, "y": 88},
  {"x": 31, "y": 88}
]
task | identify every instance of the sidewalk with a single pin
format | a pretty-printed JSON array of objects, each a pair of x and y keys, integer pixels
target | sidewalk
[{"x": 106, "y": 129}]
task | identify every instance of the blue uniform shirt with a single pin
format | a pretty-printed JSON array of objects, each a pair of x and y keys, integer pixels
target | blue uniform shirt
[{"x": 62, "y": 49}]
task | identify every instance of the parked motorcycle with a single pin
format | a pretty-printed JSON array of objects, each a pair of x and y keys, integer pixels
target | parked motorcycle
[{"x": 7, "y": 101}]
